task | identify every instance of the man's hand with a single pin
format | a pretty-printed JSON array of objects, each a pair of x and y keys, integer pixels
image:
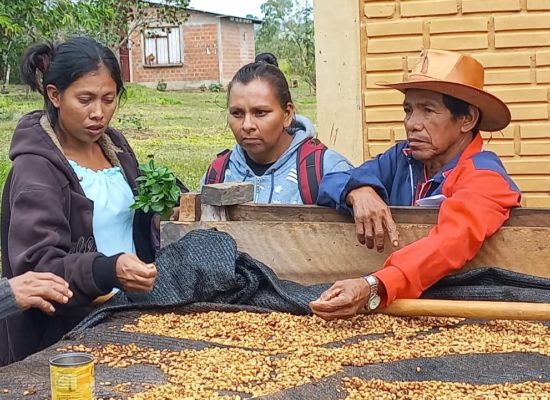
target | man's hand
[
  {"x": 39, "y": 289},
  {"x": 134, "y": 274},
  {"x": 372, "y": 216},
  {"x": 344, "y": 299}
]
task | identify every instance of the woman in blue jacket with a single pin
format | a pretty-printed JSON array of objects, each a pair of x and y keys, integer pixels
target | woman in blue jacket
[{"x": 276, "y": 150}]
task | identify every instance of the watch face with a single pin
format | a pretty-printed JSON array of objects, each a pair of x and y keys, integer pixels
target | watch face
[{"x": 374, "y": 302}]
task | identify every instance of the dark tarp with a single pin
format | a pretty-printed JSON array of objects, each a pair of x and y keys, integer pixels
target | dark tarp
[{"x": 204, "y": 271}]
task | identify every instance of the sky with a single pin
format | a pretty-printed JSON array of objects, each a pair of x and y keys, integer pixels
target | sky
[{"x": 239, "y": 8}]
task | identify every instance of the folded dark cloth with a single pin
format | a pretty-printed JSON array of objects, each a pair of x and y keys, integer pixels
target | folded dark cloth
[
  {"x": 492, "y": 284},
  {"x": 204, "y": 266}
]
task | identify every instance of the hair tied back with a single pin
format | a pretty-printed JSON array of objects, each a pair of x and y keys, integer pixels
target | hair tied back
[{"x": 42, "y": 63}]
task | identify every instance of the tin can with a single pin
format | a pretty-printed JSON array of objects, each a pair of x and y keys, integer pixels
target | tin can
[{"x": 72, "y": 376}]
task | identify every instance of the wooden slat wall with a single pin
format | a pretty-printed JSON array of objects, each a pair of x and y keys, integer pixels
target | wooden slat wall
[{"x": 510, "y": 37}]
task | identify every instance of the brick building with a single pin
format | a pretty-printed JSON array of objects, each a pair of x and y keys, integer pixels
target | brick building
[
  {"x": 207, "y": 48},
  {"x": 369, "y": 41}
]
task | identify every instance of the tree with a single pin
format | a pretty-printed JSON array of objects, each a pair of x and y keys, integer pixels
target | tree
[
  {"x": 23, "y": 22},
  {"x": 302, "y": 37},
  {"x": 113, "y": 21},
  {"x": 287, "y": 32}
]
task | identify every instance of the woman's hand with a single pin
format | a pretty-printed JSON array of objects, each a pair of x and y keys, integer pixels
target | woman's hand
[
  {"x": 39, "y": 289},
  {"x": 134, "y": 274},
  {"x": 372, "y": 216}
]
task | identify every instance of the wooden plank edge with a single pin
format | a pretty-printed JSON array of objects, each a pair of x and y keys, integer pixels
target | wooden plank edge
[
  {"x": 528, "y": 217},
  {"x": 484, "y": 310}
]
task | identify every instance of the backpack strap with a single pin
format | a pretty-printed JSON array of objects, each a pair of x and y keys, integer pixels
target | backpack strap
[
  {"x": 216, "y": 171},
  {"x": 309, "y": 165}
]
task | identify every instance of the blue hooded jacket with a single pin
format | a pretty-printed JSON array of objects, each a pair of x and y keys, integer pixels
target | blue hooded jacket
[{"x": 279, "y": 184}]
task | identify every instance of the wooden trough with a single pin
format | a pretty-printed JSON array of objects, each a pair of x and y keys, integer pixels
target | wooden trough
[{"x": 312, "y": 244}]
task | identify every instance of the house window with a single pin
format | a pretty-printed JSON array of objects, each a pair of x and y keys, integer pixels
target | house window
[{"x": 162, "y": 46}]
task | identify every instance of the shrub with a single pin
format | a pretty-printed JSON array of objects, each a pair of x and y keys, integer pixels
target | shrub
[{"x": 215, "y": 87}]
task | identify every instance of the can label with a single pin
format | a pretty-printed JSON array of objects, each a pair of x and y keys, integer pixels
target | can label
[{"x": 72, "y": 376}]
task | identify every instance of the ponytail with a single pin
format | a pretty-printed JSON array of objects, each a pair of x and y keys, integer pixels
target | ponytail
[{"x": 36, "y": 59}]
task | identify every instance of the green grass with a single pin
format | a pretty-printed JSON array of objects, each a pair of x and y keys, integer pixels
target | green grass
[{"x": 183, "y": 130}]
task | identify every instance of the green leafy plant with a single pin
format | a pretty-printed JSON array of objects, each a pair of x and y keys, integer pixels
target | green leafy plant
[
  {"x": 157, "y": 189},
  {"x": 215, "y": 87},
  {"x": 132, "y": 121},
  {"x": 161, "y": 85}
]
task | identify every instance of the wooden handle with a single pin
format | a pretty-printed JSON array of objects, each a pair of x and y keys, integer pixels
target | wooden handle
[{"x": 469, "y": 309}]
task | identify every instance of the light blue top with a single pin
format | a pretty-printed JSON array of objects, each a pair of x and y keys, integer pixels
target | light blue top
[
  {"x": 279, "y": 184},
  {"x": 112, "y": 218}
]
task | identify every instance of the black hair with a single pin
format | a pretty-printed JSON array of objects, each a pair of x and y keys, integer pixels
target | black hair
[
  {"x": 62, "y": 64},
  {"x": 265, "y": 72},
  {"x": 267, "y": 58},
  {"x": 460, "y": 108}
]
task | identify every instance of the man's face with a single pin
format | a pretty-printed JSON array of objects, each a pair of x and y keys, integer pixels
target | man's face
[{"x": 432, "y": 132}]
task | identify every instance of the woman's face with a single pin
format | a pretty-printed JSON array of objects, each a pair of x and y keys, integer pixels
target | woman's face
[
  {"x": 86, "y": 106},
  {"x": 258, "y": 121}
]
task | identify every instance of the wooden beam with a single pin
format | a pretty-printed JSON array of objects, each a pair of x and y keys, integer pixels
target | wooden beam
[
  {"x": 534, "y": 217},
  {"x": 315, "y": 252},
  {"x": 216, "y": 197},
  {"x": 523, "y": 216},
  {"x": 213, "y": 213},
  {"x": 227, "y": 193},
  {"x": 190, "y": 207},
  {"x": 311, "y": 213}
]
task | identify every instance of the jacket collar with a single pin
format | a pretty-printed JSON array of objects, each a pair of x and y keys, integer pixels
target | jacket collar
[
  {"x": 105, "y": 142},
  {"x": 474, "y": 147}
]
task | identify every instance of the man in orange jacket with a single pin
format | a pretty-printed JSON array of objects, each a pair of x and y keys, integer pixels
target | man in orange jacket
[{"x": 442, "y": 163}]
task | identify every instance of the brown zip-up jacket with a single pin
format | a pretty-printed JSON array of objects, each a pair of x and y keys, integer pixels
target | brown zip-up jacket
[{"x": 47, "y": 226}]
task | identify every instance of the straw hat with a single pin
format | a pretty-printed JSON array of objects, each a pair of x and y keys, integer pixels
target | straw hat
[{"x": 459, "y": 76}]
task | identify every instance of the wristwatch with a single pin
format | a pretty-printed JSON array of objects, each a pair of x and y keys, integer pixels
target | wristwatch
[{"x": 374, "y": 298}]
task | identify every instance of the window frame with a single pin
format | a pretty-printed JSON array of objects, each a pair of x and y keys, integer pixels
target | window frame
[{"x": 153, "y": 30}]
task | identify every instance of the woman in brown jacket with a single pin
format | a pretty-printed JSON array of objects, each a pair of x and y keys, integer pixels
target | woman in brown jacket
[{"x": 65, "y": 206}]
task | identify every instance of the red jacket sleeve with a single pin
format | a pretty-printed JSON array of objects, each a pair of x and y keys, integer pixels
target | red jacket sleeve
[{"x": 478, "y": 202}]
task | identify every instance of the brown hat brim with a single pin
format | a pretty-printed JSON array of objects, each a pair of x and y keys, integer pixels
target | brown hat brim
[{"x": 495, "y": 115}]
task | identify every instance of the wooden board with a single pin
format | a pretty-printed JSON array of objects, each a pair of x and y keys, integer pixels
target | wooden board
[
  {"x": 227, "y": 193},
  {"x": 339, "y": 76},
  {"x": 315, "y": 252},
  {"x": 535, "y": 217}
]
